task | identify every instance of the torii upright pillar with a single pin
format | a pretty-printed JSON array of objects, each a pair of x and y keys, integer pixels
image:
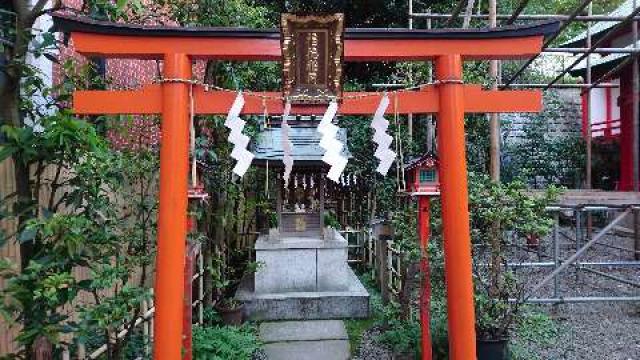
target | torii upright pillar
[
  {"x": 172, "y": 211},
  {"x": 455, "y": 208}
]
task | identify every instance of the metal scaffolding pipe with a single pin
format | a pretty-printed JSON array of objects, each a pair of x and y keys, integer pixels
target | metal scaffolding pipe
[
  {"x": 556, "y": 253},
  {"x": 494, "y": 118},
  {"x": 565, "y": 86},
  {"x": 614, "y": 50},
  {"x": 610, "y": 33},
  {"x": 591, "y": 207},
  {"x": 636, "y": 108},
  {"x": 586, "y": 263},
  {"x": 516, "y": 13},
  {"x": 531, "y": 17},
  {"x": 454, "y": 15},
  {"x": 587, "y": 100},
  {"x": 579, "y": 299},
  {"x": 580, "y": 251},
  {"x": 611, "y": 277},
  {"x": 547, "y": 43}
]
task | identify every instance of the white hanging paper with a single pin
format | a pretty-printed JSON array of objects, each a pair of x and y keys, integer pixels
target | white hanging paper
[
  {"x": 287, "y": 146},
  {"x": 381, "y": 138},
  {"x": 236, "y": 108},
  {"x": 329, "y": 142},
  {"x": 337, "y": 168},
  {"x": 239, "y": 140}
]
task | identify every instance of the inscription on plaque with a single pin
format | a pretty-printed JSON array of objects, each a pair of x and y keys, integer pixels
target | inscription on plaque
[
  {"x": 301, "y": 223},
  {"x": 312, "y": 53}
]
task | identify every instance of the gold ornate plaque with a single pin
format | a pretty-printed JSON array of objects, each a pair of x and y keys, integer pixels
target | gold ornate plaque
[
  {"x": 301, "y": 223},
  {"x": 312, "y": 51}
]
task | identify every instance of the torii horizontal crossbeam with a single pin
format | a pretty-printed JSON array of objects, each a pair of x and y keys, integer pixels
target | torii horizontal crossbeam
[
  {"x": 106, "y": 39},
  {"x": 148, "y": 100}
]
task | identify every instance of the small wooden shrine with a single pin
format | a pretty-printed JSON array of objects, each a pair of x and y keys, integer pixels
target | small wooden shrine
[
  {"x": 422, "y": 175},
  {"x": 305, "y": 273},
  {"x": 300, "y": 201}
]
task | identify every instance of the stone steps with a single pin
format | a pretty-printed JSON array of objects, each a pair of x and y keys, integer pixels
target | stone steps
[
  {"x": 305, "y": 340},
  {"x": 350, "y": 304}
]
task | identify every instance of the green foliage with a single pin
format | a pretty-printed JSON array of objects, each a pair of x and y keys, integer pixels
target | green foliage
[
  {"x": 510, "y": 204},
  {"x": 403, "y": 337},
  {"x": 230, "y": 13},
  {"x": 88, "y": 234},
  {"x": 405, "y": 234},
  {"x": 535, "y": 328},
  {"x": 502, "y": 212},
  {"x": 224, "y": 342},
  {"x": 331, "y": 220}
]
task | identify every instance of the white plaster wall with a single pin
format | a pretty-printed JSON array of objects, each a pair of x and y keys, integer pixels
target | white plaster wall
[{"x": 44, "y": 65}]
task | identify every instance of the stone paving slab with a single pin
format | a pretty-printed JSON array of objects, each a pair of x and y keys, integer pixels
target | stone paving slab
[
  {"x": 303, "y": 331},
  {"x": 305, "y": 340},
  {"x": 308, "y": 350}
]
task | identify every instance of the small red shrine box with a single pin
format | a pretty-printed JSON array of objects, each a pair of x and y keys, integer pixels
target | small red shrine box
[{"x": 422, "y": 175}]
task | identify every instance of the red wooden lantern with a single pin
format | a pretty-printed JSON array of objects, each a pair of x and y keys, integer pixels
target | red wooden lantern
[{"x": 422, "y": 175}]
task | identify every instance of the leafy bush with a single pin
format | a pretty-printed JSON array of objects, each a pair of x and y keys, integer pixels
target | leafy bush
[
  {"x": 534, "y": 328},
  {"x": 403, "y": 337},
  {"x": 224, "y": 342},
  {"x": 502, "y": 213}
]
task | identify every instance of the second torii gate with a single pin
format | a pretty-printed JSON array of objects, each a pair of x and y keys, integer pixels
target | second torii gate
[{"x": 448, "y": 98}]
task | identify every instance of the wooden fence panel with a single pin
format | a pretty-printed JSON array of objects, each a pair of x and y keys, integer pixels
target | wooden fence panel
[{"x": 9, "y": 251}]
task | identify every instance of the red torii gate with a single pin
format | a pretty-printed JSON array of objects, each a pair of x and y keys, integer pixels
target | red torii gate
[{"x": 449, "y": 99}]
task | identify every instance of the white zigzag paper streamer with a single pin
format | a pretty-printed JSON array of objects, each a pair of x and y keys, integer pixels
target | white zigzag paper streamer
[
  {"x": 381, "y": 138},
  {"x": 331, "y": 145},
  {"x": 287, "y": 147},
  {"x": 239, "y": 140}
]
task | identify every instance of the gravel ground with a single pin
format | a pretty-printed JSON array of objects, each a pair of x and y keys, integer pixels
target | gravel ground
[
  {"x": 259, "y": 355},
  {"x": 601, "y": 331},
  {"x": 370, "y": 349},
  {"x": 595, "y": 330},
  {"x": 586, "y": 331}
]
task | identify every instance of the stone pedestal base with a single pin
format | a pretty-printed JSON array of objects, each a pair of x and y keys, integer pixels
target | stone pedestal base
[{"x": 303, "y": 278}]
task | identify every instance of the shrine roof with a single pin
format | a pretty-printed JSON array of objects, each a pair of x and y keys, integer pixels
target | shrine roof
[
  {"x": 428, "y": 159},
  {"x": 69, "y": 23},
  {"x": 305, "y": 140}
]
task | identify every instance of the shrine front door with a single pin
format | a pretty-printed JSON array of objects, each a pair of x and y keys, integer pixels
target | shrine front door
[{"x": 302, "y": 204}]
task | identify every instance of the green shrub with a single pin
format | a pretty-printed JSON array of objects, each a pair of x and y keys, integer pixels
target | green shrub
[
  {"x": 224, "y": 342},
  {"x": 403, "y": 337}
]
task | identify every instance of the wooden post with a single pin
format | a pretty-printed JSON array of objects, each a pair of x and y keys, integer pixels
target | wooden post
[
  {"x": 172, "y": 213},
  {"x": 42, "y": 349},
  {"x": 425, "y": 289},
  {"x": 382, "y": 250},
  {"x": 321, "y": 188},
  {"x": 455, "y": 209},
  {"x": 82, "y": 351},
  {"x": 201, "y": 287},
  {"x": 188, "y": 308},
  {"x": 279, "y": 193},
  {"x": 145, "y": 331}
]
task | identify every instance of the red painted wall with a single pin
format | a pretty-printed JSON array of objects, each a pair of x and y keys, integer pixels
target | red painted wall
[{"x": 626, "y": 130}]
